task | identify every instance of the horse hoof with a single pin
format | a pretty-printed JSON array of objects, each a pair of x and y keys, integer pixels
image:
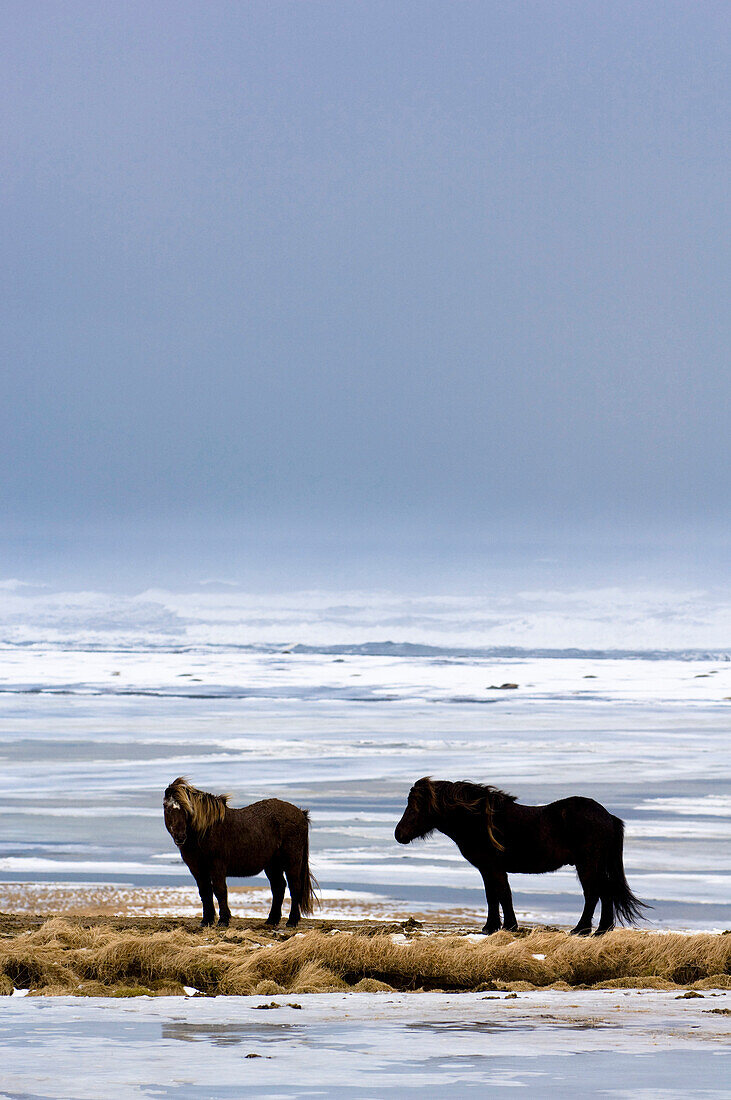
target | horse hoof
[
  {"x": 271, "y": 923},
  {"x": 207, "y": 923},
  {"x": 511, "y": 928},
  {"x": 580, "y": 931},
  {"x": 223, "y": 924},
  {"x": 489, "y": 930}
]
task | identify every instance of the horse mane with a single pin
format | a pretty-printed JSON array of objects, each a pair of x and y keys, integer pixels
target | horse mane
[
  {"x": 203, "y": 809},
  {"x": 479, "y": 799}
]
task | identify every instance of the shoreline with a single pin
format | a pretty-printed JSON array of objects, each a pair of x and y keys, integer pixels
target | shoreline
[
  {"x": 45, "y": 900},
  {"x": 251, "y": 902}
]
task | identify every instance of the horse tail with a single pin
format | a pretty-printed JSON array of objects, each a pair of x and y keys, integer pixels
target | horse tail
[
  {"x": 308, "y": 883},
  {"x": 627, "y": 907}
]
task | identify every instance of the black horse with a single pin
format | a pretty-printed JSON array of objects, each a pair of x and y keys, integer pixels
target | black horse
[
  {"x": 216, "y": 840},
  {"x": 496, "y": 835}
]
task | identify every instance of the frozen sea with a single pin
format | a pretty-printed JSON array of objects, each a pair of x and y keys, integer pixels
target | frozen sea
[
  {"x": 610, "y": 1043},
  {"x": 91, "y": 735},
  {"x": 103, "y": 702}
]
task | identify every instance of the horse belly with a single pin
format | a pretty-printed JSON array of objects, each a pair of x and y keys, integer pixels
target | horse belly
[
  {"x": 536, "y": 848},
  {"x": 536, "y": 859},
  {"x": 534, "y": 866},
  {"x": 243, "y": 869},
  {"x": 248, "y": 850}
]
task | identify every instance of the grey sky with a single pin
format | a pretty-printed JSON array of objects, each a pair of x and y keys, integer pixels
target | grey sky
[{"x": 350, "y": 266}]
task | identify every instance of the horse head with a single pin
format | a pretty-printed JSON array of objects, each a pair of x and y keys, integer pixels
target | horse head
[
  {"x": 190, "y": 812},
  {"x": 177, "y": 819},
  {"x": 419, "y": 817}
]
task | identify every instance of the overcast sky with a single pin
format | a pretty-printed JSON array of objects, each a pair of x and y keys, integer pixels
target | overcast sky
[{"x": 351, "y": 273}]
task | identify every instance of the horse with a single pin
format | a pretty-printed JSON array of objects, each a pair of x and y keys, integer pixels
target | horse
[
  {"x": 216, "y": 840},
  {"x": 497, "y": 835}
]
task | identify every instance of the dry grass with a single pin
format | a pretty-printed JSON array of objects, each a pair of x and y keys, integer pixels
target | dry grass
[{"x": 99, "y": 958}]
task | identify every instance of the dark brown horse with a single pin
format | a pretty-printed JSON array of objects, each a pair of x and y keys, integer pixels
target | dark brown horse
[
  {"x": 496, "y": 835},
  {"x": 216, "y": 840}
]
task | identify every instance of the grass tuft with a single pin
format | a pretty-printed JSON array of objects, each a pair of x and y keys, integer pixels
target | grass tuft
[{"x": 101, "y": 957}]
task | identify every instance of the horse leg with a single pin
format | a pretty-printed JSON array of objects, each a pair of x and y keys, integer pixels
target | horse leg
[
  {"x": 587, "y": 879},
  {"x": 276, "y": 881},
  {"x": 294, "y": 910},
  {"x": 205, "y": 889},
  {"x": 510, "y": 922},
  {"x": 220, "y": 889},
  {"x": 606, "y": 918},
  {"x": 293, "y": 871},
  {"x": 492, "y": 896}
]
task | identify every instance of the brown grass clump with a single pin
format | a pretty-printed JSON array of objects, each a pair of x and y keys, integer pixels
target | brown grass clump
[
  {"x": 637, "y": 983},
  {"x": 628, "y": 953},
  {"x": 267, "y": 989},
  {"x": 315, "y": 978},
  {"x": 28, "y": 965},
  {"x": 371, "y": 985},
  {"x": 715, "y": 981},
  {"x": 94, "y": 957},
  {"x": 91, "y": 989}
]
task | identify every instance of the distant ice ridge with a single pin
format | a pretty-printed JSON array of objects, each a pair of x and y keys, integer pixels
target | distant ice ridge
[
  {"x": 319, "y": 675},
  {"x": 410, "y": 649},
  {"x": 625, "y": 622},
  {"x": 375, "y": 649}
]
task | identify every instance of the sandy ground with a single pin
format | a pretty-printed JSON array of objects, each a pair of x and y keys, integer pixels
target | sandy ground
[{"x": 42, "y": 900}]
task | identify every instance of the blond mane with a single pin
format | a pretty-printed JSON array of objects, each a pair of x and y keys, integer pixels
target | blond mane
[{"x": 202, "y": 808}]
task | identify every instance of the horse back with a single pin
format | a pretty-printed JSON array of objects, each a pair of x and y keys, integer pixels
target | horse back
[
  {"x": 585, "y": 817},
  {"x": 251, "y": 837},
  {"x": 543, "y": 838}
]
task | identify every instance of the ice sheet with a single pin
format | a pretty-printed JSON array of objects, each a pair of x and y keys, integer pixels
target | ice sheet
[
  {"x": 91, "y": 732},
  {"x": 608, "y": 1043}
]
